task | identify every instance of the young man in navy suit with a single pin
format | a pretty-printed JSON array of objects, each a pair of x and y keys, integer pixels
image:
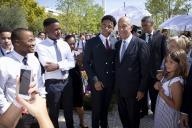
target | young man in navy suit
[{"x": 99, "y": 63}]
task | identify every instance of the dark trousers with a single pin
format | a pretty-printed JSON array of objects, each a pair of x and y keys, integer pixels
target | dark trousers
[
  {"x": 129, "y": 112},
  {"x": 100, "y": 104},
  {"x": 190, "y": 120},
  {"x": 153, "y": 97},
  {"x": 27, "y": 121},
  {"x": 60, "y": 93}
]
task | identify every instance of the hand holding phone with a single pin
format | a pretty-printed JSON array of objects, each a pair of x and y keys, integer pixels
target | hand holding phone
[{"x": 25, "y": 81}]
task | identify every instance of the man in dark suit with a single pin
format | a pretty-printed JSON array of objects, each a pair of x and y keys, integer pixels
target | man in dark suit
[
  {"x": 157, "y": 45},
  {"x": 132, "y": 55},
  {"x": 99, "y": 57},
  {"x": 186, "y": 109}
]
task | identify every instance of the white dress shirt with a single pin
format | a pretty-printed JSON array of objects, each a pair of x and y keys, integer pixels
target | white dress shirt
[
  {"x": 37, "y": 41},
  {"x": 80, "y": 44},
  {"x": 147, "y": 36},
  {"x": 127, "y": 41},
  {"x": 4, "y": 52},
  {"x": 103, "y": 39},
  {"x": 47, "y": 53},
  {"x": 10, "y": 66}
]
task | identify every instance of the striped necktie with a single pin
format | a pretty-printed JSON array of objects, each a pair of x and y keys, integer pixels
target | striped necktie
[{"x": 123, "y": 50}]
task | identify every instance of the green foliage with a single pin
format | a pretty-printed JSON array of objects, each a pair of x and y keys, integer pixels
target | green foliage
[
  {"x": 12, "y": 17},
  {"x": 80, "y": 16},
  {"x": 164, "y": 9},
  {"x": 33, "y": 12}
]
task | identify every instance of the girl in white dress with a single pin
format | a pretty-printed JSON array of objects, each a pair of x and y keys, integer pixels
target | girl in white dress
[{"x": 170, "y": 90}]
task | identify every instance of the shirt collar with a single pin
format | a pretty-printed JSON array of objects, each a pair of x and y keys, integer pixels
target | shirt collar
[
  {"x": 146, "y": 34},
  {"x": 128, "y": 40},
  {"x": 6, "y": 51},
  {"x": 51, "y": 41},
  {"x": 18, "y": 56},
  {"x": 103, "y": 38}
]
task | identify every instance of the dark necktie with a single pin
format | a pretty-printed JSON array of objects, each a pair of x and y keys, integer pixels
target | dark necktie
[
  {"x": 123, "y": 50},
  {"x": 25, "y": 60},
  {"x": 58, "y": 54},
  {"x": 149, "y": 39},
  {"x": 107, "y": 44}
]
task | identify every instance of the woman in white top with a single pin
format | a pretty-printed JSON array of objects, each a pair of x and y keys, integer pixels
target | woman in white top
[{"x": 170, "y": 91}]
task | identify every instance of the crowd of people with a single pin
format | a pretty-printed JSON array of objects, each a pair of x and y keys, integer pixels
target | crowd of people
[{"x": 147, "y": 70}]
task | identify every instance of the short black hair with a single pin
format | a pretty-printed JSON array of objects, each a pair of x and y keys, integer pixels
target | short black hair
[
  {"x": 147, "y": 19},
  {"x": 109, "y": 17},
  {"x": 67, "y": 37},
  {"x": 49, "y": 21},
  {"x": 16, "y": 33},
  {"x": 5, "y": 29},
  {"x": 82, "y": 34}
]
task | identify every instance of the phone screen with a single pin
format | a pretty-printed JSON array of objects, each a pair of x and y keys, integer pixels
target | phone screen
[{"x": 25, "y": 79}]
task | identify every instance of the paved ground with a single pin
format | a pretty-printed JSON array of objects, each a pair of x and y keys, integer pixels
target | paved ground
[{"x": 114, "y": 122}]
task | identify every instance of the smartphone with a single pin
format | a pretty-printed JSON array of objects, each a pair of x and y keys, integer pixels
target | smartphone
[{"x": 25, "y": 80}]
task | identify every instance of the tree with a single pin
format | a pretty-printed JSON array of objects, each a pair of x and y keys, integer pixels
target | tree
[
  {"x": 80, "y": 16},
  {"x": 33, "y": 12},
  {"x": 164, "y": 9},
  {"x": 12, "y": 17}
]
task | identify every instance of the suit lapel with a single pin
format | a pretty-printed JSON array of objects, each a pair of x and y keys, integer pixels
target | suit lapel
[
  {"x": 99, "y": 43},
  {"x": 153, "y": 37},
  {"x": 130, "y": 46},
  {"x": 118, "y": 48},
  {"x": 143, "y": 36}
]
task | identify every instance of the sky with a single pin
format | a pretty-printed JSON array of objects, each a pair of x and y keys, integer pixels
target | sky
[{"x": 110, "y": 4}]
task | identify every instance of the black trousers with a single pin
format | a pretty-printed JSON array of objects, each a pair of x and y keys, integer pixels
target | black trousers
[
  {"x": 190, "y": 120},
  {"x": 129, "y": 112},
  {"x": 100, "y": 104},
  {"x": 153, "y": 96},
  {"x": 60, "y": 93},
  {"x": 27, "y": 121}
]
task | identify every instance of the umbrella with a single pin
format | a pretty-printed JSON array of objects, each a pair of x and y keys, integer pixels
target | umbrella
[
  {"x": 134, "y": 13},
  {"x": 179, "y": 23}
]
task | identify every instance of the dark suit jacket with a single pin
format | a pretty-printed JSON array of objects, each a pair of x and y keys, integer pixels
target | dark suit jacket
[
  {"x": 187, "y": 95},
  {"x": 131, "y": 72},
  {"x": 157, "y": 50},
  {"x": 99, "y": 62}
]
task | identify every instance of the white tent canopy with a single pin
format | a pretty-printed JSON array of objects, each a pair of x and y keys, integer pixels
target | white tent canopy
[
  {"x": 178, "y": 23},
  {"x": 134, "y": 13}
]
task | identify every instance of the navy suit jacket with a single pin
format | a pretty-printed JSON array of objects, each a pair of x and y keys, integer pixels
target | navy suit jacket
[
  {"x": 131, "y": 72},
  {"x": 99, "y": 62},
  {"x": 157, "y": 52}
]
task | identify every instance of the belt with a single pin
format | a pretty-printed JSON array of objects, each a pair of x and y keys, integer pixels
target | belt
[{"x": 56, "y": 80}]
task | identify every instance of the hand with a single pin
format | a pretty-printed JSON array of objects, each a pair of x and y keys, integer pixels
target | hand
[
  {"x": 98, "y": 86},
  {"x": 184, "y": 121},
  {"x": 140, "y": 95},
  {"x": 36, "y": 106},
  {"x": 161, "y": 91},
  {"x": 157, "y": 85},
  {"x": 32, "y": 89},
  {"x": 51, "y": 66},
  {"x": 159, "y": 76}
]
